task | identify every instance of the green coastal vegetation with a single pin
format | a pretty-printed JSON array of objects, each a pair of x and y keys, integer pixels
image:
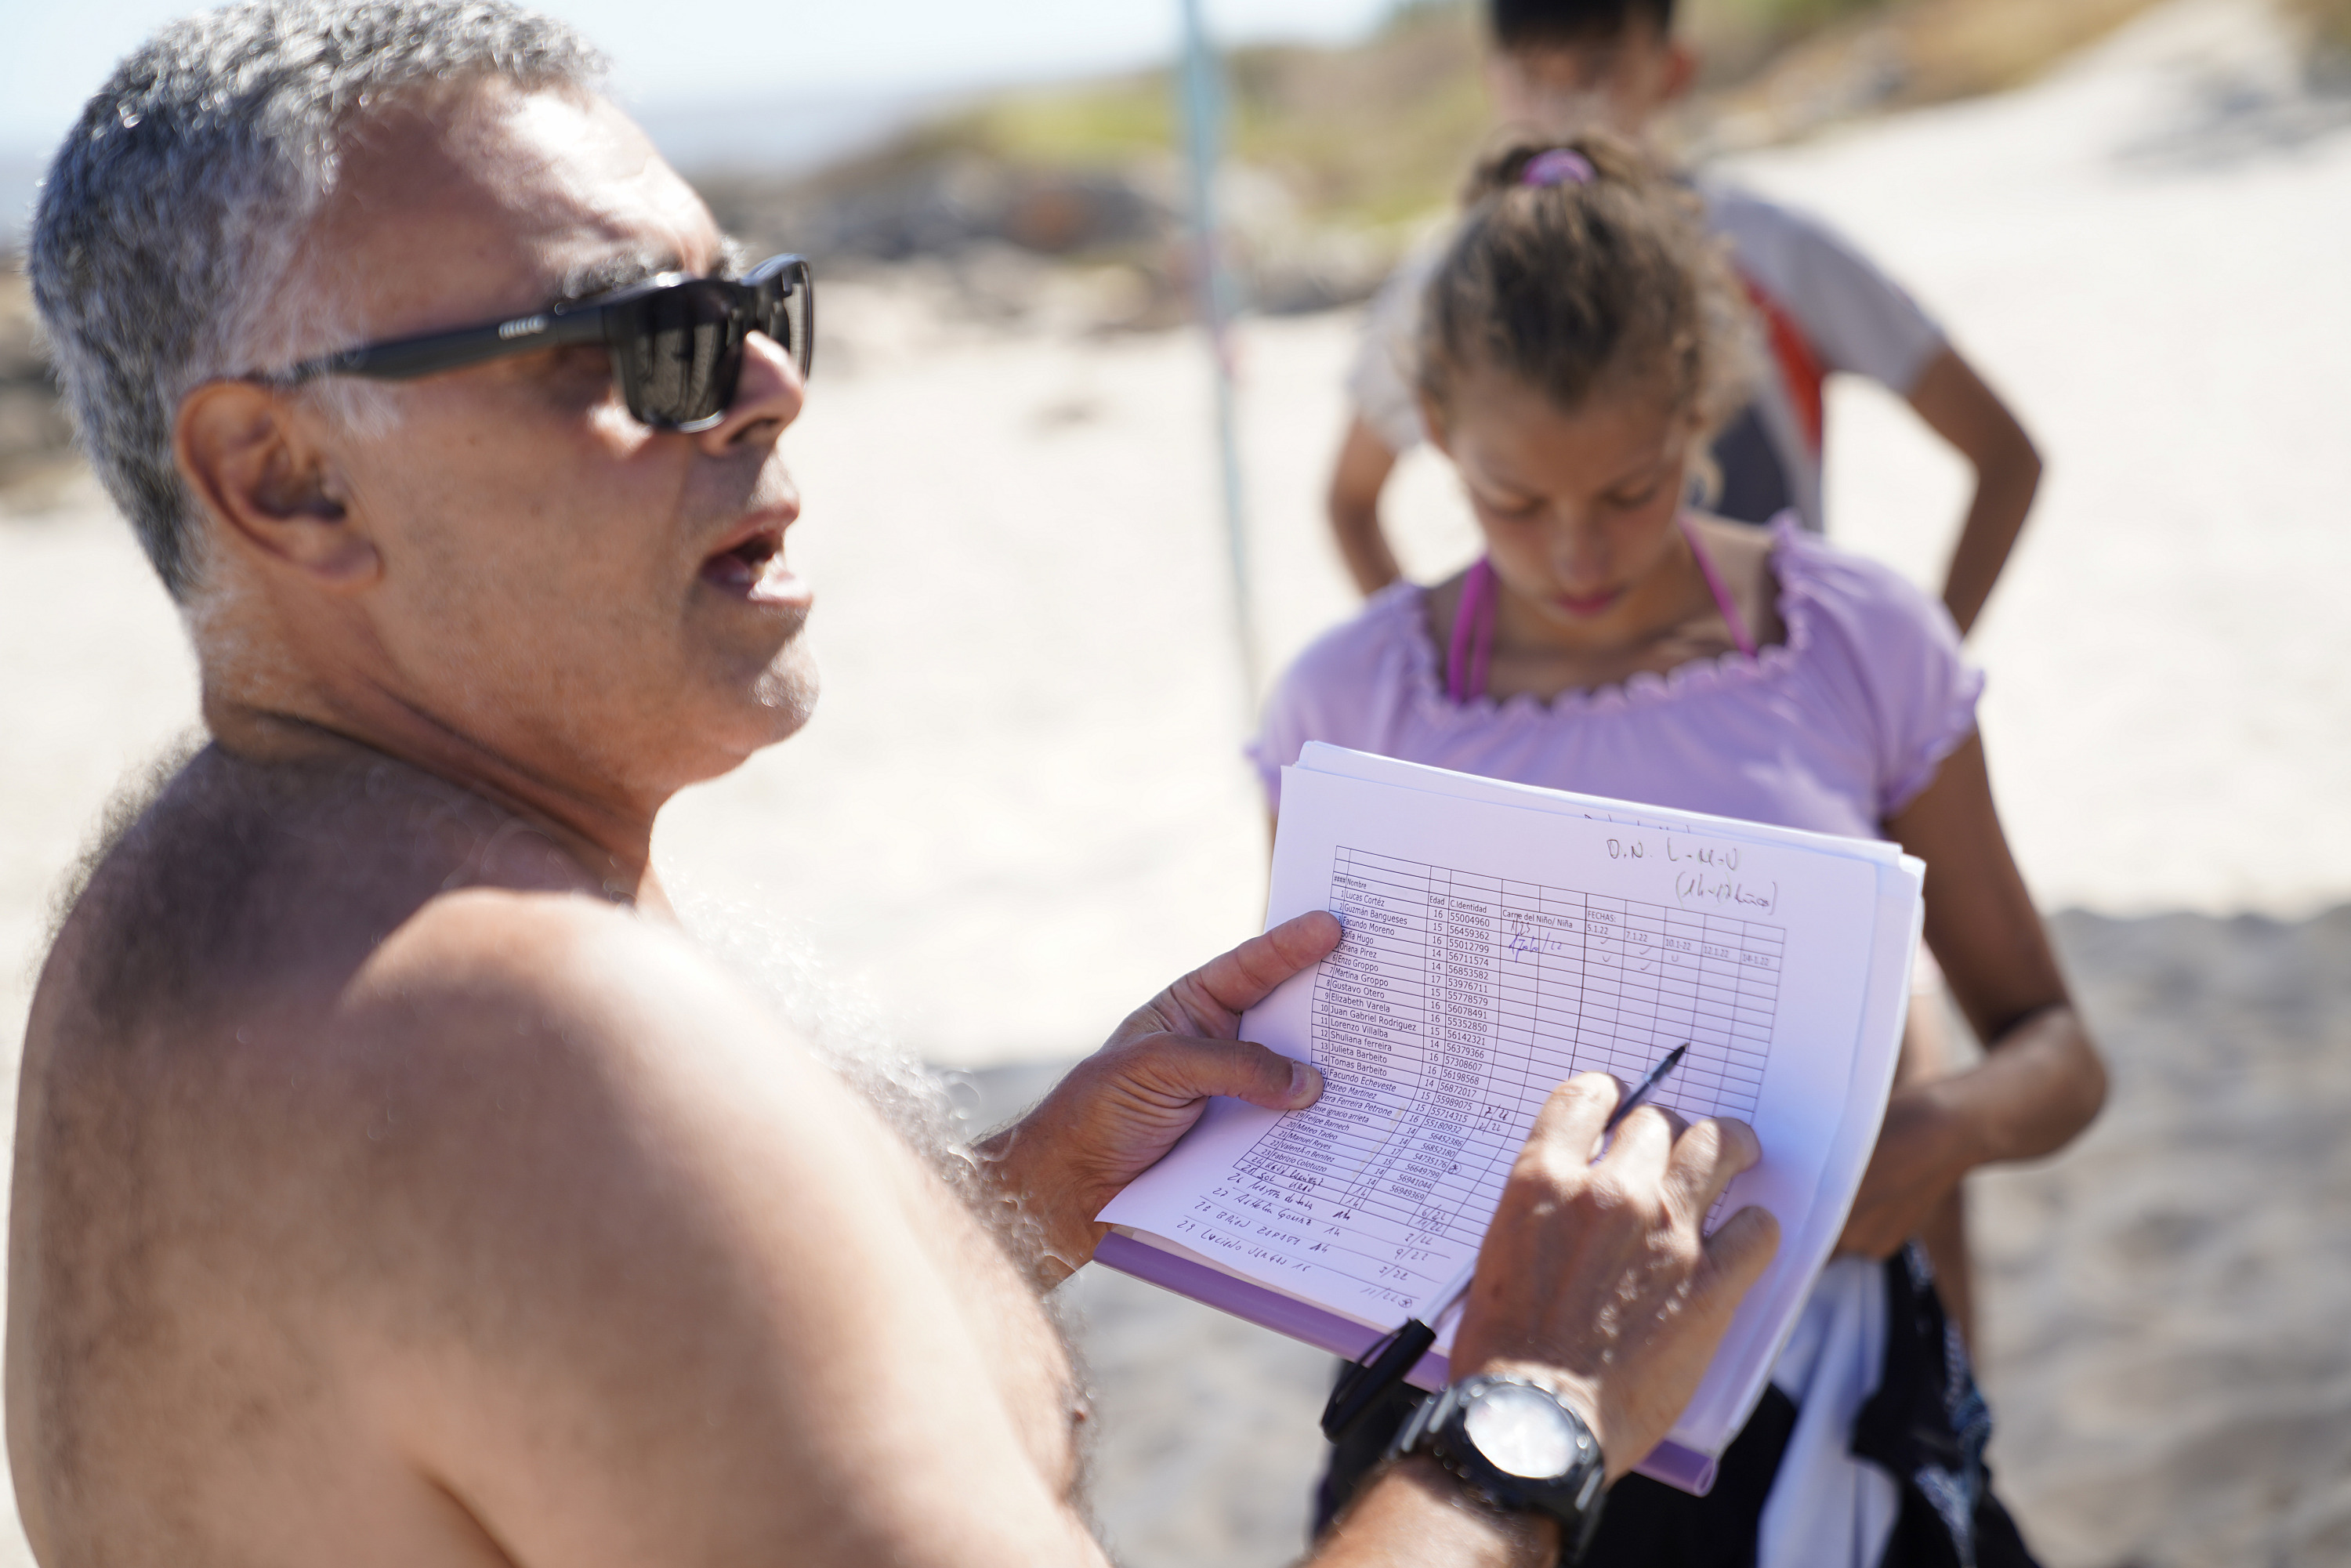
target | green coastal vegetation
[{"x": 1378, "y": 133}]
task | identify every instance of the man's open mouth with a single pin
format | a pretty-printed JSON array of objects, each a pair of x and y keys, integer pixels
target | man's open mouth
[
  {"x": 750, "y": 567},
  {"x": 742, "y": 566}
]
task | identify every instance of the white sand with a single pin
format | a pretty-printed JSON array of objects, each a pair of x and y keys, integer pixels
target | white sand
[
  {"x": 1021, "y": 809},
  {"x": 2163, "y": 1305}
]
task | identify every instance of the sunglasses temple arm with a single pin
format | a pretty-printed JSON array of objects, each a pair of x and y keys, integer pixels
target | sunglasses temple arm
[{"x": 405, "y": 359}]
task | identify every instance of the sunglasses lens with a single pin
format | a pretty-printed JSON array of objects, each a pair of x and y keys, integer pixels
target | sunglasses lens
[
  {"x": 684, "y": 356},
  {"x": 787, "y": 312},
  {"x": 679, "y": 349}
]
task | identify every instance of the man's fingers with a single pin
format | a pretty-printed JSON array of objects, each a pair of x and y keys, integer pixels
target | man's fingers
[
  {"x": 1738, "y": 1252},
  {"x": 1640, "y": 1147},
  {"x": 1234, "y": 982},
  {"x": 1194, "y": 1068},
  {"x": 1703, "y": 1160},
  {"x": 1568, "y": 1126}
]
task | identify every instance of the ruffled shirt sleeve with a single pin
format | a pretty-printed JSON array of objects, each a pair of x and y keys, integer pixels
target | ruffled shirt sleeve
[
  {"x": 1903, "y": 661},
  {"x": 1937, "y": 723},
  {"x": 1338, "y": 689},
  {"x": 1280, "y": 738}
]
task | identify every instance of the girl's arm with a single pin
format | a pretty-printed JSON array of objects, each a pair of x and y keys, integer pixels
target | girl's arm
[
  {"x": 1958, "y": 406},
  {"x": 2041, "y": 1080}
]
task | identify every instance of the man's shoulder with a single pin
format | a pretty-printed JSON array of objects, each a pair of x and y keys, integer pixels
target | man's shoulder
[
  {"x": 480, "y": 952},
  {"x": 1739, "y": 210},
  {"x": 493, "y": 1036},
  {"x": 385, "y": 1077},
  {"x": 217, "y": 881},
  {"x": 538, "y": 1173},
  {"x": 592, "y": 1009},
  {"x": 534, "y": 1115}
]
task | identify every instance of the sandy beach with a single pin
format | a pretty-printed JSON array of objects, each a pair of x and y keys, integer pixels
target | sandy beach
[{"x": 1021, "y": 808}]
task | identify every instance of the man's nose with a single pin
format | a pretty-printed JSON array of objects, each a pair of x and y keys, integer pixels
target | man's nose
[{"x": 768, "y": 395}]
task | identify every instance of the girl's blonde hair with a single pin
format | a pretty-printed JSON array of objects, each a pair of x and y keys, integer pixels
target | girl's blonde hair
[{"x": 1581, "y": 266}]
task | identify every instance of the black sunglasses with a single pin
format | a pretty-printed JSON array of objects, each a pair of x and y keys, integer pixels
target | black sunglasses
[{"x": 676, "y": 341}]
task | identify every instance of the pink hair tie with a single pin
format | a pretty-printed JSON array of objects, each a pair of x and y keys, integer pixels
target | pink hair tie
[{"x": 1557, "y": 166}]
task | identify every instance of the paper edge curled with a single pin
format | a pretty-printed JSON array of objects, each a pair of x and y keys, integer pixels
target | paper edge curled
[{"x": 1325, "y": 1331}]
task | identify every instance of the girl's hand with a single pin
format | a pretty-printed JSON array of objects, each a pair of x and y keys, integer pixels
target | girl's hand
[{"x": 1910, "y": 1172}]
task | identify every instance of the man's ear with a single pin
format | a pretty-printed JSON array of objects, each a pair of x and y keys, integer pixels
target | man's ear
[{"x": 247, "y": 451}]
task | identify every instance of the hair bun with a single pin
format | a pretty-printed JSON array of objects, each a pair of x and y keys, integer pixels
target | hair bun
[{"x": 1584, "y": 265}]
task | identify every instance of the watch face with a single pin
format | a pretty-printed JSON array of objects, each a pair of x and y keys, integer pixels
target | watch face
[{"x": 1520, "y": 1431}]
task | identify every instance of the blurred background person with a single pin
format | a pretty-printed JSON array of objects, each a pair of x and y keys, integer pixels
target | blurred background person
[{"x": 1558, "y": 65}]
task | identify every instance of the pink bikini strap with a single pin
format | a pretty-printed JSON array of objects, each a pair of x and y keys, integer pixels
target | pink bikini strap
[
  {"x": 1473, "y": 637},
  {"x": 1722, "y": 600},
  {"x": 1472, "y": 649}
]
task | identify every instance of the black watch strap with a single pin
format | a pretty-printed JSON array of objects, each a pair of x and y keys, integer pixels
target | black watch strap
[{"x": 1443, "y": 1430}]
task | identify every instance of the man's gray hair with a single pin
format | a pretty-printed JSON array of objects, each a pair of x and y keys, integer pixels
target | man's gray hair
[{"x": 172, "y": 212}]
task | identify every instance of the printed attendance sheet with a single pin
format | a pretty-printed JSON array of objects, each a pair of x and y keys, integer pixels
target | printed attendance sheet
[{"x": 1492, "y": 951}]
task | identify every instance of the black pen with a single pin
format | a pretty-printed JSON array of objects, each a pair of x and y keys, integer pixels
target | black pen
[
  {"x": 1365, "y": 1383},
  {"x": 1641, "y": 1090}
]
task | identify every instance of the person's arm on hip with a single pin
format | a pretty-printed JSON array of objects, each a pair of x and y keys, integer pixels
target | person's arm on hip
[{"x": 1954, "y": 402}]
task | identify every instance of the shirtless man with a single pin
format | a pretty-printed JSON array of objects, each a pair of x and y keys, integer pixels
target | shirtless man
[{"x": 395, "y": 1183}]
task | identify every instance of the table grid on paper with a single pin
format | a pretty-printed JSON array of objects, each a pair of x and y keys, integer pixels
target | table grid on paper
[{"x": 1456, "y": 1003}]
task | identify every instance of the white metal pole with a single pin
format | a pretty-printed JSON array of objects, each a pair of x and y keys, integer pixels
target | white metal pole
[{"x": 1204, "y": 119}]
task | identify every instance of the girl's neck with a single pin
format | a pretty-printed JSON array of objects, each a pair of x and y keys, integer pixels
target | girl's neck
[
  {"x": 1652, "y": 606},
  {"x": 1670, "y": 617}
]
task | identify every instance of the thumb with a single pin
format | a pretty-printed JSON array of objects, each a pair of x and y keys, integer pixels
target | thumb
[{"x": 1190, "y": 1068}]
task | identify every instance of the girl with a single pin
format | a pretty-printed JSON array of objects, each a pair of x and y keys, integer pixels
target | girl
[{"x": 1581, "y": 342}]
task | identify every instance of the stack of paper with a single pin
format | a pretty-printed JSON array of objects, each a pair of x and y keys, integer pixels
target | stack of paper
[{"x": 1501, "y": 938}]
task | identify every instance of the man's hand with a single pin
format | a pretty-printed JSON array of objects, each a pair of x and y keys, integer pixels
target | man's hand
[
  {"x": 1124, "y": 1106},
  {"x": 1595, "y": 1279}
]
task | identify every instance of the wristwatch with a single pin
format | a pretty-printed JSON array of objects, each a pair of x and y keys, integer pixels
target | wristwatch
[{"x": 1516, "y": 1445}]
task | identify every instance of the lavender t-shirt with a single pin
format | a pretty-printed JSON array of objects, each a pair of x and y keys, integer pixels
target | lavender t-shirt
[{"x": 1835, "y": 730}]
